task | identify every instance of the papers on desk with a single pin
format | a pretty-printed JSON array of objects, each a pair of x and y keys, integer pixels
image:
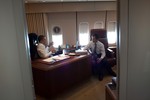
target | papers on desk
[
  {"x": 78, "y": 53},
  {"x": 72, "y": 54},
  {"x": 60, "y": 57},
  {"x": 50, "y": 60},
  {"x": 56, "y": 58},
  {"x": 81, "y": 52}
]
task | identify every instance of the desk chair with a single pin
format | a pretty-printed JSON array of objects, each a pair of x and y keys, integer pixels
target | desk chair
[{"x": 33, "y": 40}]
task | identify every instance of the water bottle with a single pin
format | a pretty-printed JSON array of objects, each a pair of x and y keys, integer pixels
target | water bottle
[{"x": 77, "y": 45}]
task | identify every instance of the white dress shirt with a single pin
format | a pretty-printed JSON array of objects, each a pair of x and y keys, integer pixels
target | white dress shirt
[
  {"x": 43, "y": 51},
  {"x": 99, "y": 48}
]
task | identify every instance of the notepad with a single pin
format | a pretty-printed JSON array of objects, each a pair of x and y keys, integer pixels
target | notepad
[
  {"x": 54, "y": 59},
  {"x": 60, "y": 57},
  {"x": 50, "y": 60},
  {"x": 81, "y": 52}
]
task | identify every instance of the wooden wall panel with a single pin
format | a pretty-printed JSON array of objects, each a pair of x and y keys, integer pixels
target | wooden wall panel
[{"x": 69, "y": 7}]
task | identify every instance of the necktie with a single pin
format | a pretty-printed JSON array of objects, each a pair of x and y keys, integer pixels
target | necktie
[{"x": 95, "y": 48}]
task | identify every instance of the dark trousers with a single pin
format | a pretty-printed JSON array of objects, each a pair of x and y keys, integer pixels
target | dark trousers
[{"x": 101, "y": 68}]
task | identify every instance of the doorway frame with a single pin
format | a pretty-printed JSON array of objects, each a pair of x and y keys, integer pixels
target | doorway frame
[{"x": 122, "y": 45}]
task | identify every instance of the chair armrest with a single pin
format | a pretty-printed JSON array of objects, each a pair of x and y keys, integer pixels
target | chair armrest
[
  {"x": 110, "y": 50},
  {"x": 111, "y": 57},
  {"x": 110, "y": 53}
]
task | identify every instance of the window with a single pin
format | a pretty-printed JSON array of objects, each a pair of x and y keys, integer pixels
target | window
[
  {"x": 83, "y": 33},
  {"x": 57, "y": 36},
  {"x": 112, "y": 33},
  {"x": 98, "y": 25},
  {"x": 57, "y": 39}
]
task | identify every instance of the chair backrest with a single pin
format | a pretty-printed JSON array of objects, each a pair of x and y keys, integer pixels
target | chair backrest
[
  {"x": 102, "y": 34},
  {"x": 33, "y": 40}
]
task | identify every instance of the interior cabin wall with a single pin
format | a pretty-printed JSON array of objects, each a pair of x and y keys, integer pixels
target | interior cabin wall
[
  {"x": 69, "y": 7},
  {"x": 69, "y": 15}
]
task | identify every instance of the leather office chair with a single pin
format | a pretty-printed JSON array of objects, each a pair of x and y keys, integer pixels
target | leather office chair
[
  {"x": 33, "y": 40},
  {"x": 102, "y": 33}
]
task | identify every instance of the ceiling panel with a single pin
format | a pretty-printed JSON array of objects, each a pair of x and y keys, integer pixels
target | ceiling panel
[{"x": 63, "y": 0}]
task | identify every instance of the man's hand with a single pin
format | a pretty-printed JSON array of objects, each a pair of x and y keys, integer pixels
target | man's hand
[
  {"x": 50, "y": 44},
  {"x": 99, "y": 60},
  {"x": 53, "y": 51}
]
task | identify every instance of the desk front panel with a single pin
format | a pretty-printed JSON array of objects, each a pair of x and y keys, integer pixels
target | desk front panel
[{"x": 52, "y": 79}]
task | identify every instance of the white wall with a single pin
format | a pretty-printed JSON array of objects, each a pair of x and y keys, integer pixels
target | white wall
[
  {"x": 68, "y": 20},
  {"x": 137, "y": 81},
  {"x": 15, "y": 69},
  {"x": 92, "y": 17}
]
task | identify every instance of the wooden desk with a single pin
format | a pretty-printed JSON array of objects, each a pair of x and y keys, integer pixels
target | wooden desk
[{"x": 52, "y": 79}]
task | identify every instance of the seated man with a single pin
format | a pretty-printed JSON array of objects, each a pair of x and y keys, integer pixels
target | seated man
[
  {"x": 44, "y": 50},
  {"x": 100, "y": 64}
]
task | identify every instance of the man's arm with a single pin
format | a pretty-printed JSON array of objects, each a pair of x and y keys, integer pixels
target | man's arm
[
  {"x": 103, "y": 51},
  {"x": 87, "y": 47},
  {"x": 52, "y": 49},
  {"x": 103, "y": 54}
]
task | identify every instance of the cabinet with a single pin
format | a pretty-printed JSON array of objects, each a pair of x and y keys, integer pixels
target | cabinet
[{"x": 110, "y": 91}]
